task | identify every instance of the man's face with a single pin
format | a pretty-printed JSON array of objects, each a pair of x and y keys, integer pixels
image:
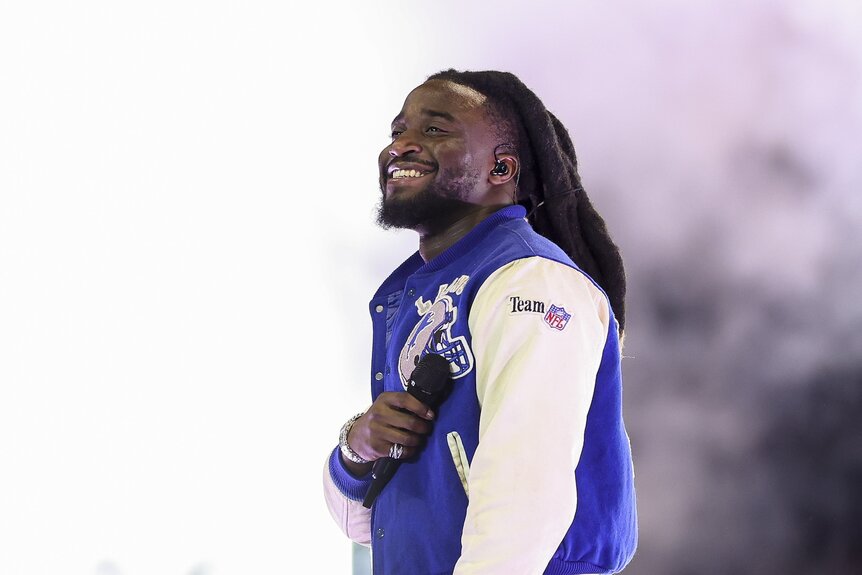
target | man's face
[{"x": 436, "y": 167}]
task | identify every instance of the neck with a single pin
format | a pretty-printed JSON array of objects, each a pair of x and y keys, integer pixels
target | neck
[{"x": 434, "y": 241}]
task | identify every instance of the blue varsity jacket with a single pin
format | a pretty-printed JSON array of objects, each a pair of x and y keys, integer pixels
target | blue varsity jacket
[{"x": 528, "y": 468}]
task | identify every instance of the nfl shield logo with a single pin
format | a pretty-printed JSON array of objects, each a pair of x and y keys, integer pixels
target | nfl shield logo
[{"x": 557, "y": 317}]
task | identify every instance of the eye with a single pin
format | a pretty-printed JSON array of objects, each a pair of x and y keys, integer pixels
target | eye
[{"x": 429, "y": 130}]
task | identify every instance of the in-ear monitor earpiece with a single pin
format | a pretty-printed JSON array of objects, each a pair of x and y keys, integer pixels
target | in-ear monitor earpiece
[{"x": 500, "y": 168}]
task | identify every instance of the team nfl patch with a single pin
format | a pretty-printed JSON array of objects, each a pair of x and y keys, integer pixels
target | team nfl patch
[{"x": 557, "y": 317}]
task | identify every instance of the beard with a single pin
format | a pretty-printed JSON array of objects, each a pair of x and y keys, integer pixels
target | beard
[{"x": 435, "y": 204}]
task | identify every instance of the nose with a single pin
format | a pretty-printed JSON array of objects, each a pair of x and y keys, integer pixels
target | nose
[{"x": 404, "y": 144}]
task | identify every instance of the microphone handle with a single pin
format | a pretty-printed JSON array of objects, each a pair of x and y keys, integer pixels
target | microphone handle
[
  {"x": 385, "y": 467},
  {"x": 427, "y": 384},
  {"x": 383, "y": 470}
]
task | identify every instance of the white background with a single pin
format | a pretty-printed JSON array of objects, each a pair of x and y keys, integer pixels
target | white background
[{"x": 181, "y": 182}]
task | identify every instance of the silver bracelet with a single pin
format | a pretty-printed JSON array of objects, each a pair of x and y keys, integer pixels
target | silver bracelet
[{"x": 342, "y": 441}]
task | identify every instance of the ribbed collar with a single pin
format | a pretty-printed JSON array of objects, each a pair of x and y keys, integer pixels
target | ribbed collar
[
  {"x": 472, "y": 237},
  {"x": 414, "y": 264}
]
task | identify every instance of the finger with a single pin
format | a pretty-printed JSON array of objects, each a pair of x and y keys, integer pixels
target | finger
[
  {"x": 381, "y": 448},
  {"x": 407, "y": 438},
  {"x": 384, "y": 431},
  {"x": 408, "y": 422},
  {"x": 394, "y": 409},
  {"x": 407, "y": 402},
  {"x": 406, "y": 452}
]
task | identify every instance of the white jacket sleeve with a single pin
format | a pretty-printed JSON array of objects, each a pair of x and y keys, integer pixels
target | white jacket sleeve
[
  {"x": 350, "y": 515},
  {"x": 534, "y": 383}
]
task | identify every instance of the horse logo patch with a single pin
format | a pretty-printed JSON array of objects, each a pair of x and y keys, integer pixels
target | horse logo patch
[{"x": 433, "y": 334}]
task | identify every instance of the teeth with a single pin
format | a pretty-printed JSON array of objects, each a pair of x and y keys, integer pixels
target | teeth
[{"x": 406, "y": 174}]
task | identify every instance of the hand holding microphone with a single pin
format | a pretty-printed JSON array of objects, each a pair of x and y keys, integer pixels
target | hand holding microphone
[
  {"x": 395, "y": 417},
  {"x": 428, "y": 384}
]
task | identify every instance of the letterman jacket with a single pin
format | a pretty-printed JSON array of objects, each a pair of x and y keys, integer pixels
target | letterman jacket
[{"x": 528, "y": 468}]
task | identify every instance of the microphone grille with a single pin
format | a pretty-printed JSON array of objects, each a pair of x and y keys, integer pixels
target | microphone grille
[{"x": 431, "y": 373}]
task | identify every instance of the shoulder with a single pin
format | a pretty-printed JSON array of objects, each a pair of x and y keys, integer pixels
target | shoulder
[
  {"x": 512, "y": 242},
  {"x": 519, "y": 237},
  {"x": 547, "y": 288}
]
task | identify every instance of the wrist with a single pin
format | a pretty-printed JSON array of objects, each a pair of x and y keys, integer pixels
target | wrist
[
  {"x": 356, "y": 470},
  {"x": 349, "y": 456}
]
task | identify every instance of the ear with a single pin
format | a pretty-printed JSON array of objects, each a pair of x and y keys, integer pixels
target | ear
[{"x": 495, "y": 177}]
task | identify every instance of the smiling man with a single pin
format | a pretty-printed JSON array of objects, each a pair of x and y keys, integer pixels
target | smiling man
[{"x": 526, "y": 465}]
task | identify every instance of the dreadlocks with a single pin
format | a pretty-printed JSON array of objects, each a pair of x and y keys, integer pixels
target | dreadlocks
[{"x": 549, "y": 185}]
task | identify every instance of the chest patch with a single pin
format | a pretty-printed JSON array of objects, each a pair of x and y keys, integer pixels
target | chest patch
[{"x": 433, "y": 334}]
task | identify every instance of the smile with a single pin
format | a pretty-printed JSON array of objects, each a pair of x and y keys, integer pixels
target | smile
[{"x": 401, "y": 174}]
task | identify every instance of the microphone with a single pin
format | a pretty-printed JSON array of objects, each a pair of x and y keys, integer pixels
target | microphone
[{"x": 428, "y": 384}]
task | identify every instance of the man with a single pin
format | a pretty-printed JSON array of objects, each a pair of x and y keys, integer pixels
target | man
[{"x": 526, "y": 466}]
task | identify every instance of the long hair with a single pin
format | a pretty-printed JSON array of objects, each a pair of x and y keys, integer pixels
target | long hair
[{"x": 549, "y": 185}]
